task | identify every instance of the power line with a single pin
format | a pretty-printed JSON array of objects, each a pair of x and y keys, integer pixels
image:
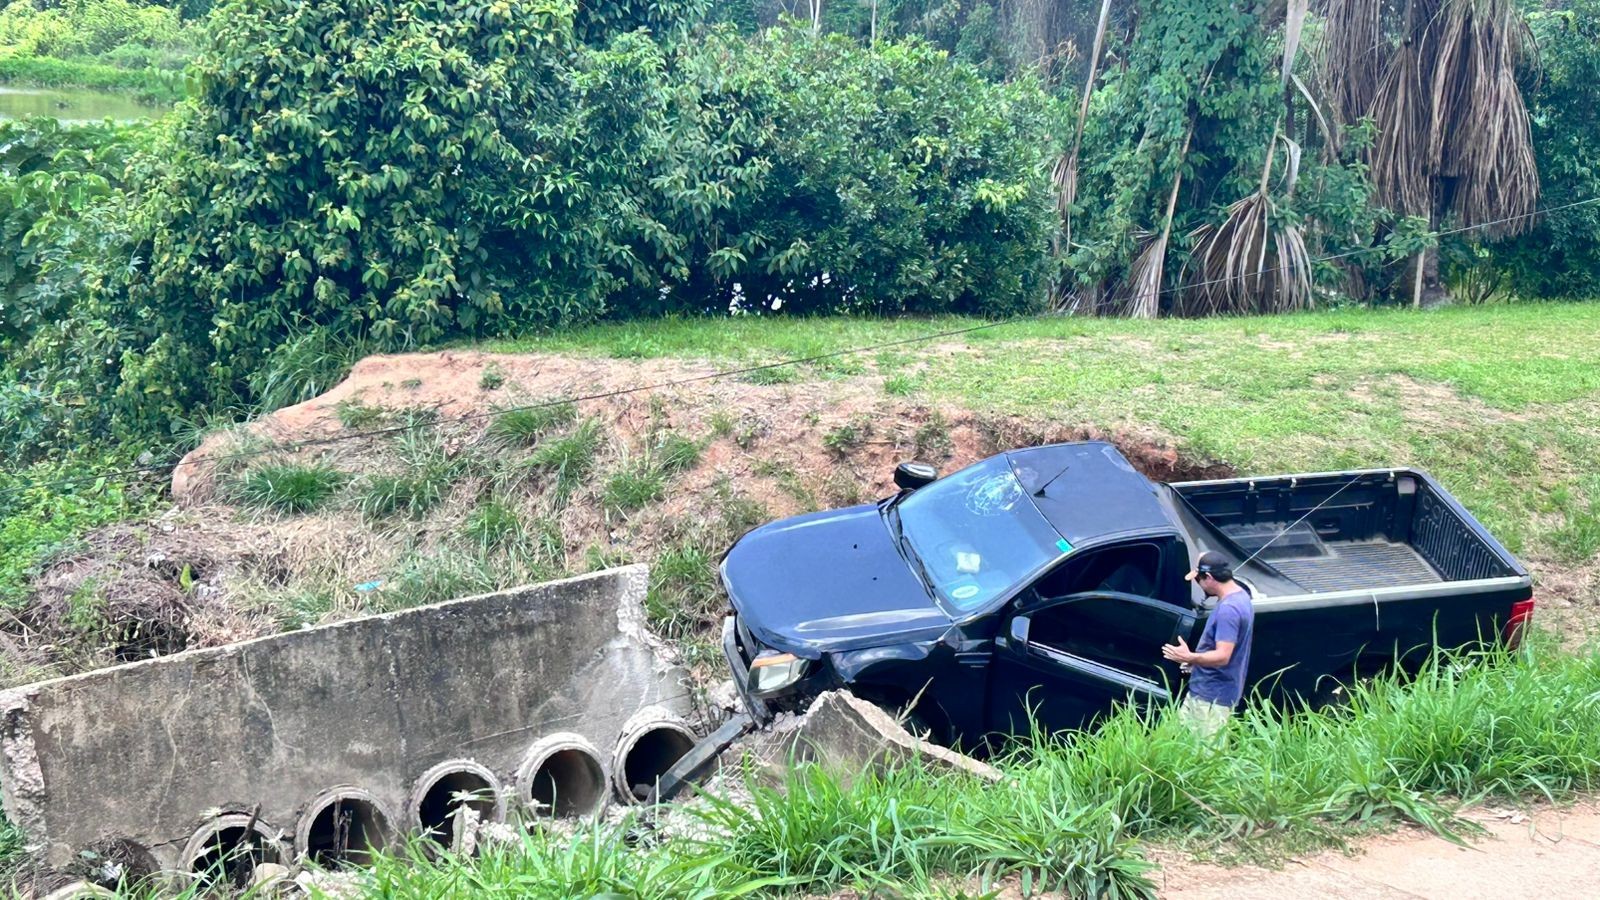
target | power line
[{"x": 294, "y": 446}]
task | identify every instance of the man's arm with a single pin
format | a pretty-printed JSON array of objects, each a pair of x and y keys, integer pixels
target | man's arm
[{"x": 1211, "y": 659}]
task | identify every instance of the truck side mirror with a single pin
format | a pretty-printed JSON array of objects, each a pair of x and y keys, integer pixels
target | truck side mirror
[
  {"x": 908, "y": 476},
  {"x": 1019, "y": 630}
]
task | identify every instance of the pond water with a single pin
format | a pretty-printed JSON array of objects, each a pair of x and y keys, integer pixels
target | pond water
[{"x": 72, "y": 104}]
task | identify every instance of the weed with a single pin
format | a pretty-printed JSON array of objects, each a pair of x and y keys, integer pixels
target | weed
[
  {"x": 526, "y": 425},
  {"x": 841, "y": 489},
  {"x": 411, "y": 384},
  {"x": 289, "y": 487},
  {"x": 932, "y": 438},
  {"x": 569, "y": 457},
  {"x": 425, "y": 579},
  {"x": 683, "y": 594},
  {"x": 899, "y": 385},
  {"x": 494, "y": 524},
  {"x": 414, "y": 494},
  {"x": 779, "y": 374},
  {"x": 634, "y": 486},
  {"x": 845, "y": 439},
  {"x": 355, "y": 414},
  {"x": 493, "y": 378},
  {"x": 676, "y": 454},
  {"x": 722, "y": 424}
]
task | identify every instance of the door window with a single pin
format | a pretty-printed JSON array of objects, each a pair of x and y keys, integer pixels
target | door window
[
  {"x": 1125, "y": 569},
  {"x": 1118, "y": 632}
]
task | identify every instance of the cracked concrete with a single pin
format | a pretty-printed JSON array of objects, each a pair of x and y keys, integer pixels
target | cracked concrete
[{"x": 147, "y": 752}]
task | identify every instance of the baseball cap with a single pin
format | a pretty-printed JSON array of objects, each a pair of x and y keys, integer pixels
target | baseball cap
[{"x": 1210, "y": 562}]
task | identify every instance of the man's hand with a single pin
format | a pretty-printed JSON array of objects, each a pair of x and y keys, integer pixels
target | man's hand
[{"x": 1178, "y": 653}]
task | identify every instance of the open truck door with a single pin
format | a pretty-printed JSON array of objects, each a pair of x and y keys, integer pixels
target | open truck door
[{"x": 1065, "y": 662}]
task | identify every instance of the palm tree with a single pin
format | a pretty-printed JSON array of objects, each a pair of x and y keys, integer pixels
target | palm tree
[{"x": 1438, "y": 77}]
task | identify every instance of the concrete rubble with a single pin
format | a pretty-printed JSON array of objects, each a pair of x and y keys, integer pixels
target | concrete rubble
[
  {"x": 333, "y": 741},
  {"x": 850, "y": 737}
]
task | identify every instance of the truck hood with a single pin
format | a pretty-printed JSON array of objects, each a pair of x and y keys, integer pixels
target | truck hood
[{"x": 828, "y": 581}]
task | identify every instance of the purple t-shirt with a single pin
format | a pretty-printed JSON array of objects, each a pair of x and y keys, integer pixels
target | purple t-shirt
[{"x": 1233, "y": 620}]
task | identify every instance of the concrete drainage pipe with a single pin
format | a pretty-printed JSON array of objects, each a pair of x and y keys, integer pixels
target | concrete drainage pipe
[
  {"x": 651, "y": 742},
  {"x": 344, "y": 825},
  {"x": 224, "y": 852},
  {"x": 448, "y": 786},
  {"x": 562, "y": 776}
]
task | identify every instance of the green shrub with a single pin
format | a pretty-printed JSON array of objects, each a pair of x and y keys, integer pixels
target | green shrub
[
  {"x": 288, "y": 487},
  {"x": 39, "y": 516}
]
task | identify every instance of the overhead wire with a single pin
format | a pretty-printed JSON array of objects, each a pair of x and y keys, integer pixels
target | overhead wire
[{"x": 295, "y": 446}]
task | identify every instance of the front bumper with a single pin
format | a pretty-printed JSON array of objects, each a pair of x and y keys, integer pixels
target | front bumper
[{"x": 740, "y": 667}]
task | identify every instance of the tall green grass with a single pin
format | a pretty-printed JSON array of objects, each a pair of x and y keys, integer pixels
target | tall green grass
[{"x": 1071, "y": 812}]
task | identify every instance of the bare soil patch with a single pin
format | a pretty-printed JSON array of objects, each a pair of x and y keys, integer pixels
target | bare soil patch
[{"x": 214, "y": 570}]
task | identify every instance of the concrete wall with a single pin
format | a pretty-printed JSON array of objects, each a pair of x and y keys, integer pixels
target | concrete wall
[{"x": 150, "y": 751}]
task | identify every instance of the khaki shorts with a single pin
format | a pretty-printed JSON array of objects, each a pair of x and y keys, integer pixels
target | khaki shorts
[{"x": 1203, "y": 717}]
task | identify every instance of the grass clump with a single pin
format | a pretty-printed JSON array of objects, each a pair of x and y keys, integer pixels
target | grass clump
[
  {"x": 634, "y": 486},
  {"x": 493, "y": 524},
  {"x": 355, "y": 414},
  {"x": 289, "y": 487},
  {"x": 493, "y": 378},
  {"x": 385, "y": 495},
  {"x": 569, "y": 457},
  {"x": 525, "y": 425},
  {"x": 676, "y": 454},
  {"x": 845, "y": 439}
]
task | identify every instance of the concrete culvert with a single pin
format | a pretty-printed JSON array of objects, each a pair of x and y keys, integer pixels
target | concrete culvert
[
  {"x": 344, "y": 825},
  {"x": 651, "y": 742},
  {"x": 225, "y": 851},
  {"x": 561, "y": 776},
  {"x": 445, "y": 789}
]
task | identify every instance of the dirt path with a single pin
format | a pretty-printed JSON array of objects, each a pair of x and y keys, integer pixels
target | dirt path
[{"x": 1549, "y": 854}]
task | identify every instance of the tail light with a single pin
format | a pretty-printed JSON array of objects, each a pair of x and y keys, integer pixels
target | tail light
[{"x": 1521, "y": 612}]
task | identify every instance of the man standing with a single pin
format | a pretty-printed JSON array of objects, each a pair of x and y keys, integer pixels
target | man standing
[{"x": 1220, "y": 661}]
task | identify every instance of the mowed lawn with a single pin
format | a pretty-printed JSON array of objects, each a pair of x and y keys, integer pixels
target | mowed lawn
[{"x": 1502, "y": 403}]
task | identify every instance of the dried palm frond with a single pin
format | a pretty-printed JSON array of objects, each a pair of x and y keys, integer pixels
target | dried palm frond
[
  {"x": 1479, "y": 130},
  {"x": 1254, "y": 261},
  {"x": 1353, "y": 61},
  {"x": 1402, "y": 171},
  {"x": 1139, "y": 296},
  {"x": 1065, "y": 175}
]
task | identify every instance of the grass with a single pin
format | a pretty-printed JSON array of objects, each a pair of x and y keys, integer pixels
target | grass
[
  {"x": 39, "y": 518},
  {"x": 527, "y": 424},
  {"x": 569, "y": 457},
  {"x": 636, "y": 484},
  {"x": 493, "y": 524},
  {"x": 153, "y": 86},
  {"x": 288, "y": 487},
  {"x": 1072, "y": 814},
  {"x": 1497, "y": 402}
]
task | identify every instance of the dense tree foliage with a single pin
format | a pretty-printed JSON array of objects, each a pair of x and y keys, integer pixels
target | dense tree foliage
[{"x": 1561, "y": 256}]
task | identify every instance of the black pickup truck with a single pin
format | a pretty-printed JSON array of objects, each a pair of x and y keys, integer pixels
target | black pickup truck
[{"x": 1049, "y": 578}]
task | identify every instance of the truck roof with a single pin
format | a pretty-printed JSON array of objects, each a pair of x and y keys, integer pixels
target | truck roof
[{"x": 1089, "y": 489}]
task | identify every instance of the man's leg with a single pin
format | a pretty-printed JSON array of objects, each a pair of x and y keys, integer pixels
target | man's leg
[{"x": 1204, "y": 718}]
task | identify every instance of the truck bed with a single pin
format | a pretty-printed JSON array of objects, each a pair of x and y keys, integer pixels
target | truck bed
[{"x": 1354, "y": 531}]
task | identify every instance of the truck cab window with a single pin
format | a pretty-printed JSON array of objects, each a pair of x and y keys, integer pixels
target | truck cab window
[{"x": 1127, "y": 569}]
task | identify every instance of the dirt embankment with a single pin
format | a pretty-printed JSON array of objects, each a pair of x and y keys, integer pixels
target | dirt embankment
[{"x": 605, "y": 481}]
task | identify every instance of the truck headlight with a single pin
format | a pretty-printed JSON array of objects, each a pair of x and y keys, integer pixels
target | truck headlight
[{"x": 771, "y": 672}]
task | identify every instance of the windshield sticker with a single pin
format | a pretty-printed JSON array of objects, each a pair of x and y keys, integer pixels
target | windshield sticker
[
  {"x": 1063, "y": 546},
  {"x": 965, "y": 592},
  {"x": 968, "y": 563}
]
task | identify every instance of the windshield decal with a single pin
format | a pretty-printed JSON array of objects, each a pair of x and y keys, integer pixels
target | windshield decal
[{"x": 1063, "y": 546}]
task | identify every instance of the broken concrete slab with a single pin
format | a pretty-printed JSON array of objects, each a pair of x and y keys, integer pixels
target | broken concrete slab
[
  {"x": 849, "y": 737},
  {"x": 346, "y": 717}
]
